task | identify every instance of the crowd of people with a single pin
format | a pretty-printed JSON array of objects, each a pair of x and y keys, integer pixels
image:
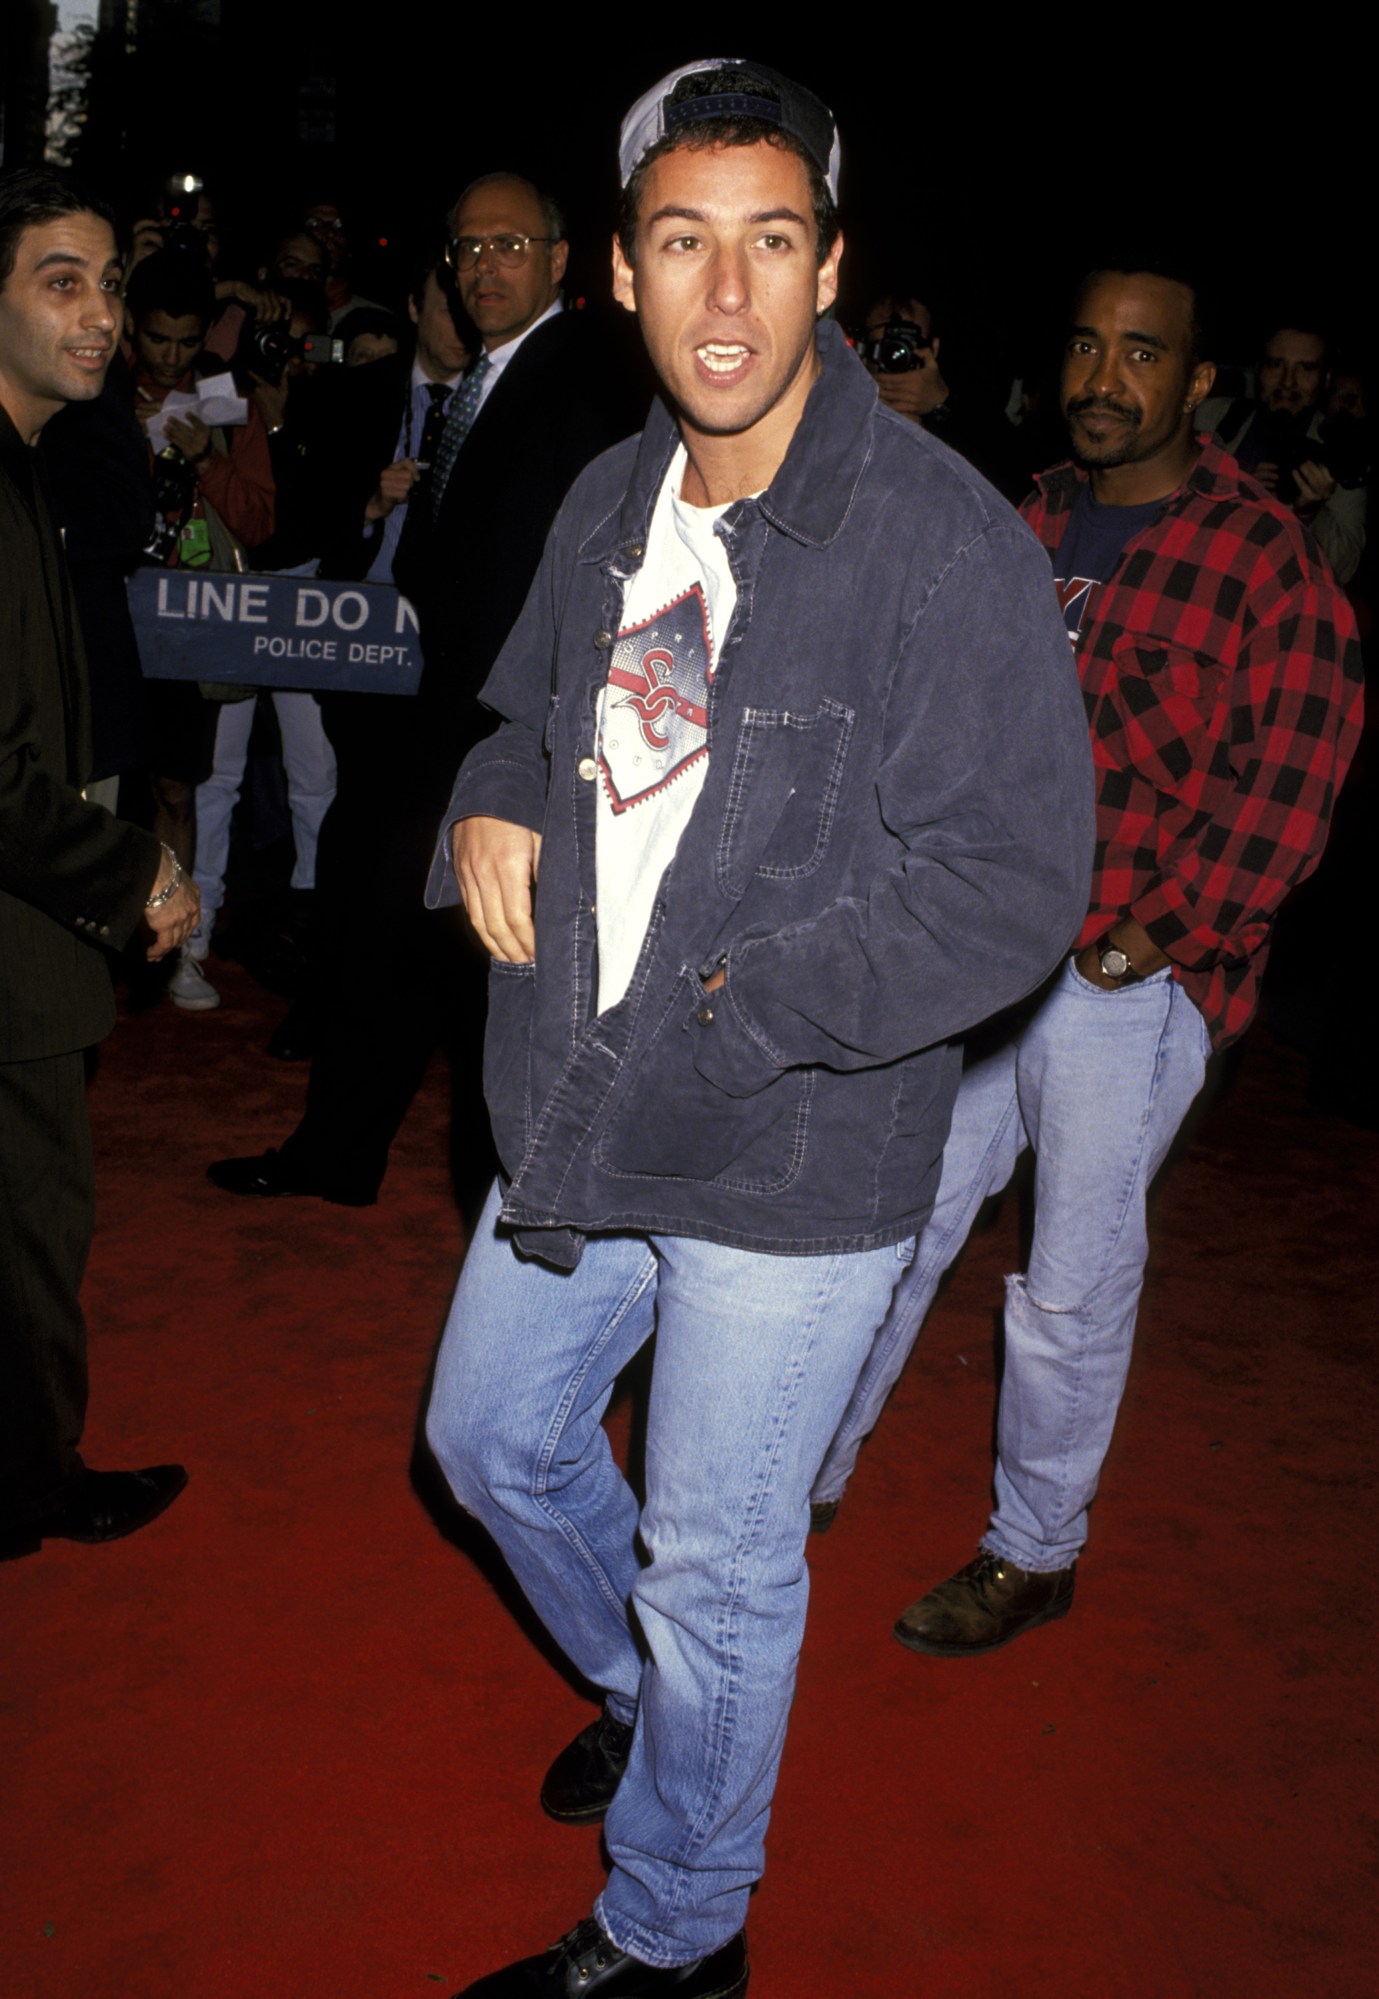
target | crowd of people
[{"x": 801, "y": 897}]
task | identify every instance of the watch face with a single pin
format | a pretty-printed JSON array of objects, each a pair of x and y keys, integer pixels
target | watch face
[{"x": 1114, "y": 962}]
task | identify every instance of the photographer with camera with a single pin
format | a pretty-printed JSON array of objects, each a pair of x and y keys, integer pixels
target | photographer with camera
[
  {"x": 1283, "y": 439},
  {"x": 899, "y": 348}
]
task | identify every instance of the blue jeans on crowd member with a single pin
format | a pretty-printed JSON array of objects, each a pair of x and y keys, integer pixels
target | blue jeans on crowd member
[
  {"x": 1098, "y": 1083},
  {"x": 689, "y": 1612}
]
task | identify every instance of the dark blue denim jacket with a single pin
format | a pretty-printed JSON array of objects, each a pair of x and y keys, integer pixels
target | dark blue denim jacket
[{"x": 893, "y": 841}]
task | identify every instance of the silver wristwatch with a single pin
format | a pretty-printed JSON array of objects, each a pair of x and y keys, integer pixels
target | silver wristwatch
[{"x": 1115, "y": 963}]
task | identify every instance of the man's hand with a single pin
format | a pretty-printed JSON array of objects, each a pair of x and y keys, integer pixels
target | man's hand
[
  {"x": 148, "y": 237},
  {"x": 271, "y": 401},
  {"x": 495, "y": 866},
  {"x": 266, "y": 305},
  {"x": 915, "y": 391},
  {"x": 1139, "y": 947},
  {"x": 1267, "y": 475},
  {"x": 395, "y": 482},
  {"x": 191, "y": 437},
  {"x": 1315, "y": 487},
  {"x": 173, "y": 921}
]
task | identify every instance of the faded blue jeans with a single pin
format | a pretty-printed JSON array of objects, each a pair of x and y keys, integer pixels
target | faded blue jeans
[
  {"x": 1098, "y": 1083},
  {"x": 690, "y": 1611}
]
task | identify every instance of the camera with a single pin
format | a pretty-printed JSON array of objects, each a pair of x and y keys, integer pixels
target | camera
[
  {"x": 1342, "y": 449},
  {"x": 901, "y": 347},
  {"x": 266, "y": 347}
]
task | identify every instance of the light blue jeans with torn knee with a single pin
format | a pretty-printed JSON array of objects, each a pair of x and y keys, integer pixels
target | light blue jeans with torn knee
[
  {"x": 688, "y": 1612},
  {"x": 1098, "y": 1082}
]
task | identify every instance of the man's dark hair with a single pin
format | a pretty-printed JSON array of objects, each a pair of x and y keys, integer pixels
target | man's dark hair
[
  {"x": 1137, "y": 260},
  {"x": 726, "y": 131},
  {"x": 552, "y": 215},
  {"x": 362, "y": 319},
  {"x": 171, "y": 283},
  {"x": 31, "y": 196},
  {"x": 1298, "y": 317}
]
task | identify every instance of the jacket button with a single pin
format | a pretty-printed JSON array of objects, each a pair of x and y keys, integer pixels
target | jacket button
[
  {"x": 587, "y": 769},
  {"x": 603, "y": 639},
  {"x": 704, "y": 1015},
  {"x": 635, "y": 552},
  {"x": 105, "y": 930}
]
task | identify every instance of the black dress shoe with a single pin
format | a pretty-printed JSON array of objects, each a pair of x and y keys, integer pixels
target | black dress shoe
[
  {"x": 586, "y": 1961},
  {"x": 267, "y": 1174},
  {"x": 579, "y": 1785},
  {"x": 985, "y": 1605},
  {"x": 101, "y": 1506}
]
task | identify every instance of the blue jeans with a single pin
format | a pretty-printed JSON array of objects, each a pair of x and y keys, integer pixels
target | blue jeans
[
  {"x": 689, "y": 1612},
  {"x": 1098, "y": 1083}
]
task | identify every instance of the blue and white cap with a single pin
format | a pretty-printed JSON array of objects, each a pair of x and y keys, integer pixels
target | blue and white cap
[{"x": 754, "y": 91}]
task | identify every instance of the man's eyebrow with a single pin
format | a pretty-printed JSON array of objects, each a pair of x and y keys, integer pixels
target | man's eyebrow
[
  {"x": 670, "y": 213},
  {"x": 780, "y": 215},
  {"x": 64, "y": 257},
  {"x": 1146, "y": 340},
  {"x": 673, "y": 213}
]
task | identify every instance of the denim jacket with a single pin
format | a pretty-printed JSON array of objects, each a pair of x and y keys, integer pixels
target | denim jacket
[{"x": 893, "y": 842}]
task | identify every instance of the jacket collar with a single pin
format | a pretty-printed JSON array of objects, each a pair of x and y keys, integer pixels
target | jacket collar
[
  {"x": 811, "y": 494},
  {"x": 1215, "y": 476}
]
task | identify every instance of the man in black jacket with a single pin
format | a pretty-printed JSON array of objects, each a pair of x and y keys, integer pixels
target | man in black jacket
[
  {"x": 533, "y": 410},
  {"x": 72, "y": 880}
]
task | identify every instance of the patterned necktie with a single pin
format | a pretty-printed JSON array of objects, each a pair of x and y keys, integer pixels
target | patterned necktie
[
  {"x": 431, "y": 429},
  {"x": 464, "y": 407}
]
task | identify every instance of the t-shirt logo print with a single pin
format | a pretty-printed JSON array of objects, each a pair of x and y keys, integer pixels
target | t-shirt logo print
[{"x": 656, "y": 718}]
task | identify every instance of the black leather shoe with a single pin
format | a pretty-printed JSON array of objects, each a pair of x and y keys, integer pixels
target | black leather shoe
[
  {"x": 579, "y": 1785},
  {"x": 586, "y": 1961},
  {"x": 984, "y": 1605},
  {"x": 267, "y": 1175},
  {"x": 101, "y": 1506}
]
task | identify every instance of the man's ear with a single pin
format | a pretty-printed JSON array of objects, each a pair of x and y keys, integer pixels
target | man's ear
[
  {"x": 624, "y": 279},
  {"x": 413, "y": 311},
  {"x": 1200, "y": 387},
  {"x": 828, "y": 276},
  {"x": 560, "y": 257}
]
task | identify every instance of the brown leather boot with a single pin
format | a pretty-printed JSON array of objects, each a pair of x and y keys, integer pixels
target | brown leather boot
[{"x": 984, "y": 1605}]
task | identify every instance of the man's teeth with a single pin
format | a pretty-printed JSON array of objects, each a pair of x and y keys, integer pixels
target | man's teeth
[{"x": 720, "y": 360}]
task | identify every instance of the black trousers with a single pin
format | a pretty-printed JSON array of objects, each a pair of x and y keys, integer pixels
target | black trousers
[
  {"x": 47, "y": 1213},
  {"x": 391, "y": 980}
]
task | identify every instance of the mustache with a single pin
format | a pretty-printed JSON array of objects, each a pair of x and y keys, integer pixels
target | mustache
[{"x": 1081, "y": 404}]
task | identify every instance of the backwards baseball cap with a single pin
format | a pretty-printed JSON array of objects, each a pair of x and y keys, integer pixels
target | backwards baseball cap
[{"x": 740, "y": 90}]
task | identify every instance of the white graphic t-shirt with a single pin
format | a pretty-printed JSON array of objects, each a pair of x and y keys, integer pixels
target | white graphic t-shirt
[{"x": 653, "y": 747}]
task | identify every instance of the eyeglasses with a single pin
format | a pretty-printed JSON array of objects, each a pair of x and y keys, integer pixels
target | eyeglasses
[{"x": 462, "y": 253}]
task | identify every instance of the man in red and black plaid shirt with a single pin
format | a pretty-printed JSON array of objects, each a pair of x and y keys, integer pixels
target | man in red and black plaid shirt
[{"x": 1221, "y": 674}]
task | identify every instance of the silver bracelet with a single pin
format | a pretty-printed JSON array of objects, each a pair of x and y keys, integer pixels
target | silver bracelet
[{"x": 166, "y": 894}]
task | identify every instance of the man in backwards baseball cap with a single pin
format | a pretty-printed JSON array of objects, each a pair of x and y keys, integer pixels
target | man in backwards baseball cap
[{"x": 791, "y": 722}]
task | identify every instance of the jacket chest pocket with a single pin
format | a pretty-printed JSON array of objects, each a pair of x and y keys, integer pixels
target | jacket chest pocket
[
  {"x": 783, "y": 794},
  {"x": 1160, "y": 714}
]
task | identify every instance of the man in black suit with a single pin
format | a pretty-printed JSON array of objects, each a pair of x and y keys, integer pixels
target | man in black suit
[
  {"x": 534, "y": 409},
  {"x": 72, "y": 880}
]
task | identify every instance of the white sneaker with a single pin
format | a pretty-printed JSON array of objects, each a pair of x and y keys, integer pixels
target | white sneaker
[{"x": 189, "y": 987}]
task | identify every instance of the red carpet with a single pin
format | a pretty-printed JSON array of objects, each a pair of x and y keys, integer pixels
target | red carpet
[{"x": 288, "y": 1740}]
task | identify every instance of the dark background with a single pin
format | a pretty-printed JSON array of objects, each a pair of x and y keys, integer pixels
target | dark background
[{"x": 985, "y": 161}]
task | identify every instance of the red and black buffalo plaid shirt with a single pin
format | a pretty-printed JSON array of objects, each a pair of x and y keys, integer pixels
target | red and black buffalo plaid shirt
[{"x": 1221, "y": 671}]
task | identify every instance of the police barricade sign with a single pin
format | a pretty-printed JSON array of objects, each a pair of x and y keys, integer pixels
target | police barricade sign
[{"x": 275, "y": 631}]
